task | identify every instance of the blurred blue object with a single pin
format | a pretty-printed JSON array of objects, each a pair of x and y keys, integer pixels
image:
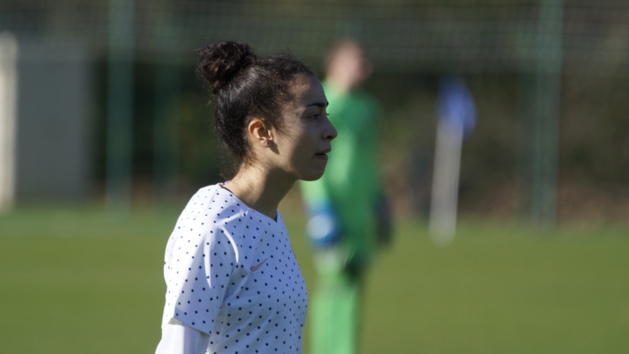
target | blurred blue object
[
  {"x": 323, "y": 227},
  {"x": 456, "y": 106}
]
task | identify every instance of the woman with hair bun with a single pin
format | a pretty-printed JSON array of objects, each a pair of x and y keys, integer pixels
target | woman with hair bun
[{"x": 233, "y": 283}]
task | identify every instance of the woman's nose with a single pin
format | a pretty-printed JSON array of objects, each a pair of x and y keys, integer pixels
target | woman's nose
[{"x": 331, "y": 132}]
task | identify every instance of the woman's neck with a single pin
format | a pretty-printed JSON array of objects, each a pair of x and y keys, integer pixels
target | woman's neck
[{"x": 259, "y": 189}]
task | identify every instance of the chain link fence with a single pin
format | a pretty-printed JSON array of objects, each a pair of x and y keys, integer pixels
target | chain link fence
[{"x": 570, "y": 56}]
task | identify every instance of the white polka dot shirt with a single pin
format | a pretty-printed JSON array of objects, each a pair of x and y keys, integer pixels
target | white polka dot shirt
[{"x": 231, "y": 273}]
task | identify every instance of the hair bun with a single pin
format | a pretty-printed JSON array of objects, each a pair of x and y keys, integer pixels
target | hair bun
[{"x": 220, "y": 62}]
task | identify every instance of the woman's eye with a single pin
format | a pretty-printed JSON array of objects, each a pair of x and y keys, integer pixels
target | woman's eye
[{"x": 319, "y": 115}]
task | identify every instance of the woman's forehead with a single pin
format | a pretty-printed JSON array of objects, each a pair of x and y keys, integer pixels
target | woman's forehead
[{"x": 308, "y": 92}]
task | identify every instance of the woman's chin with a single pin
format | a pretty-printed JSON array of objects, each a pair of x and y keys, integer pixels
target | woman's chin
[{"x": 312, "y": 176}]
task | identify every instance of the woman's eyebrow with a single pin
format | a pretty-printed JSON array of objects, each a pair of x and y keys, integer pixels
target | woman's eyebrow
[{"x": 318, "y": 104}]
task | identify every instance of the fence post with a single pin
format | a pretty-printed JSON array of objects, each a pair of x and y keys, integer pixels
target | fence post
[
  {"x": 120, "y": 104},
  {"x": 546, "y": 113},
  {"x": 8, "y": 119}
]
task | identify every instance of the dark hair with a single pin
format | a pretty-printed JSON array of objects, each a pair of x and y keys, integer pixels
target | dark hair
[{"x": 242, "y": 85}]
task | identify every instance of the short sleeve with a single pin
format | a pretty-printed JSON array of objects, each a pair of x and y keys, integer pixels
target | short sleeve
[{"x": 201, "y": 261}]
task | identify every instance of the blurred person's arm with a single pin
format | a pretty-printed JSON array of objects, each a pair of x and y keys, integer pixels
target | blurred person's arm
[{"x": 178, "y": 338}]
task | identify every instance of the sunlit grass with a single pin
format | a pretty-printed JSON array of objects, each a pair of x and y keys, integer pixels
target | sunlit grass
[{"x": 81, "y": 280}]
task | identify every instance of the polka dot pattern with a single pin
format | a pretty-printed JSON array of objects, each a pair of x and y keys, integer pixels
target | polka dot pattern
[{"x": 231, "y": 272}]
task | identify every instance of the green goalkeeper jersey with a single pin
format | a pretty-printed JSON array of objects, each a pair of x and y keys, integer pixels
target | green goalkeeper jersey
[{"x": 351, "y": 182}]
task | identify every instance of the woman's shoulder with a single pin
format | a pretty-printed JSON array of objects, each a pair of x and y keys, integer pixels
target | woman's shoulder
[
  {"x": 216, "y": 203},
  {"x": 211, "y": 214},
  {"x": 219, "y": 206}
]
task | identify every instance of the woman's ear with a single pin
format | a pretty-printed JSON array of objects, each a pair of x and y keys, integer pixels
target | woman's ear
[{"x": 260, "y": 132}]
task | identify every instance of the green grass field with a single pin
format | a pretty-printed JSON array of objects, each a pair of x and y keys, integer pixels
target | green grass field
[{"x": 78, "y": 280}]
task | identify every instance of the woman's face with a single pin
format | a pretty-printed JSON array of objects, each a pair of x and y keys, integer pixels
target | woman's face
[
  {"x": 349, "y": 67},
  {"x": 304, "y": 140}
]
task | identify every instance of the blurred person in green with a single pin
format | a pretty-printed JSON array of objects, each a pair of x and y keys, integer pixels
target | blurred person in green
[{"x": 348, "y": 214}]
